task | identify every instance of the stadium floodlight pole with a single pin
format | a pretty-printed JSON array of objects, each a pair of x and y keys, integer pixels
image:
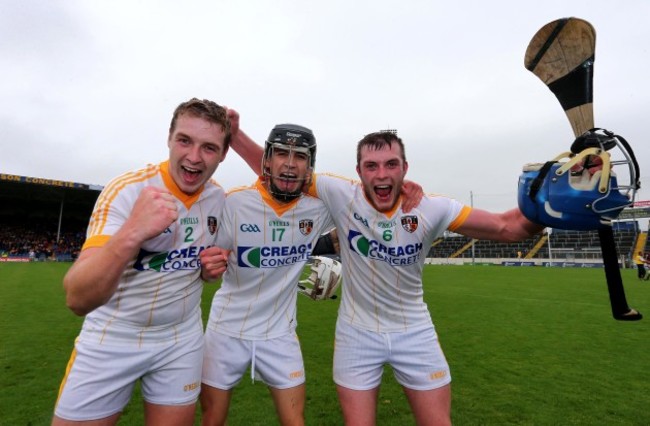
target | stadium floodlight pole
[
  {"x": 471, "y": 203},
  {"x": 550, "y": 253}
]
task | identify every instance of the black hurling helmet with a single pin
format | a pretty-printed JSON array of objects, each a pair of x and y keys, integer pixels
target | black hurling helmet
[{"x": 295, "y": 139}]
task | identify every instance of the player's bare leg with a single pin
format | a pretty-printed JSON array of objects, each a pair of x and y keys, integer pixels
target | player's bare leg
[
  {"x": 214, "y": 405},
  {"x": 430, "y": 407},
  {"x": 359, "y": 407},
  {"x": 290, "y": 405},
  {"x": 169, "y": 415},
  {"x": 106, "y": 421}
]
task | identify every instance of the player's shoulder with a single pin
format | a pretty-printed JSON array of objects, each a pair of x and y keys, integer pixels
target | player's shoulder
[
  {"x": 240, "y": 191},
  {"x": 309, "y": 200},
  {"x": 214, "y": 185},
  {"x": 134, "y": 179},
  {"x": 335, "y": 179},
  {"x": 434, "y": 201},
  {"x": 334, "y": 188}
]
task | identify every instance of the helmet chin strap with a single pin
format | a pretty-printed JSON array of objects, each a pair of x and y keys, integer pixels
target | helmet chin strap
[{"x": 283, "y": 196}]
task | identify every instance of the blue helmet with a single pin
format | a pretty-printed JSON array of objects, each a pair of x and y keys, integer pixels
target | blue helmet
[{"x": 565, "y": 193}]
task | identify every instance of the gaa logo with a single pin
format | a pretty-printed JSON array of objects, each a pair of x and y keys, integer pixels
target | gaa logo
[{"x": 247, "y": 227}]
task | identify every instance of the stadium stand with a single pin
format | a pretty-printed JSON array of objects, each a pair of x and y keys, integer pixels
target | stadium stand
[
  {"x": 43, "y": 219},
  {"x": 558, "y": 244}
]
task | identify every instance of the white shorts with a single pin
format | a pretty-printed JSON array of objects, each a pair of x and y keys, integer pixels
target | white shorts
[
  {"x": 99, "y": 379},
  {"x": 276, "y": 362},
  {"x": 415, "y": 356}
]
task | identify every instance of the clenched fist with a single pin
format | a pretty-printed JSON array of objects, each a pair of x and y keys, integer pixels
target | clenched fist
[
  {"x": 213, "y": 263},
  {"x": 154, "y": 210}
]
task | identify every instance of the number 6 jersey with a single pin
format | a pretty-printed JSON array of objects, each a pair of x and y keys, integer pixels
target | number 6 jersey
[{"x": 383, "y": 253}]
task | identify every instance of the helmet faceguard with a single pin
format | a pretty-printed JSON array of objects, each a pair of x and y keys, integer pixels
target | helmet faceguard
[
  {"x": 578, "y": 190},
  {"x": 296, "y": 140}
]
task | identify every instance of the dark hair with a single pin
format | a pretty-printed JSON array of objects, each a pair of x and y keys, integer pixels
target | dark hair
[
  {"x": 206, "y": 110},
  {"x": 379, "y": 140}
]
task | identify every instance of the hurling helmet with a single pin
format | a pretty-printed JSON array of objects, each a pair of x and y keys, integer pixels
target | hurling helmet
[
  {"x": 295, "y": 139},
  {"x": 324, "y": 279},
  {"x": 578, "y": 190}
]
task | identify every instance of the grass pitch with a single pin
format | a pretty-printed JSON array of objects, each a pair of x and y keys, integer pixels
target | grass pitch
[{"x": 527, "y": 345}]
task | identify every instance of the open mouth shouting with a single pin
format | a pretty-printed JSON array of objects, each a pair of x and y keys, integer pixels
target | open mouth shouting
[
  {"x": 383, "y": 192},
  {"x": 191, "y": 175},
  {"x": 287, "y": 181}
]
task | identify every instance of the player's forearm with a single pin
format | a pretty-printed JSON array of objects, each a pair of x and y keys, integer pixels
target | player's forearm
[
  {"x": 517, "y": 227},
  {"x": 327, "y": 244},
  {"x": 247, "y": 149},
  {"x": 507, "y": 227},
  {"x": 94, "y": 277}
]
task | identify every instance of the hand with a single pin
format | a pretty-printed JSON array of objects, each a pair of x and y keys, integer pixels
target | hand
[
  {"x": 153, "y": 211},
  {"x": 213, "y": 263},
  {"x": 412, "y": 193},
  {"x": 233, "y": 117},
  {"x": 592, "y": 163}
]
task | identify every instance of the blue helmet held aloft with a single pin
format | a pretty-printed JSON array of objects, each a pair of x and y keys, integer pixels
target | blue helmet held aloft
[{"x": 566, "y": 193}]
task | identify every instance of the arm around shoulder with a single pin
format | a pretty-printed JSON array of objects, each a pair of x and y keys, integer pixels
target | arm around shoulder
[{"x": 244, "y": 146}]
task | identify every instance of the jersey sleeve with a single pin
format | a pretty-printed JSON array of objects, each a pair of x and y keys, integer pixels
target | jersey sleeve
[
  {"x": 333, "y": 190},
  {"x": 112, "y": 209},
  {"x": 460, "y": 218}
]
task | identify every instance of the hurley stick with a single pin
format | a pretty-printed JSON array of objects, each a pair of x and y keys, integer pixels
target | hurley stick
[{"x": 562, "y": 55}]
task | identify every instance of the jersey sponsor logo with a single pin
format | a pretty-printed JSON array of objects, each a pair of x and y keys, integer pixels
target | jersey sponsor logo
[
  {"x": 410, "y": 223},
  {"x": 305, "y": 226},
  {"x": 272, "y": 256},
  {"x": 186, "y": 258},
  {"x": 212, "y": 225},
  {"x": 248, "y": 227},
  {"x": 393, "y": 255}
]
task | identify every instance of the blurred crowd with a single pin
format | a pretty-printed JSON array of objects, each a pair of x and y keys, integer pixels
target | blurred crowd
[{"x": 40, "y": 244}]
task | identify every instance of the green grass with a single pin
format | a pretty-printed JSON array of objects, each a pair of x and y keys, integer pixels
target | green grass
[{"x": 529, "y": 346}]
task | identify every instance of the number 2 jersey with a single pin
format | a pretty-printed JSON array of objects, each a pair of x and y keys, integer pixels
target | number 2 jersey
[
  {"x": 269, "y": 245},
  {"x": 159, "y": 293},
  {"x": 383, "y": 253}
]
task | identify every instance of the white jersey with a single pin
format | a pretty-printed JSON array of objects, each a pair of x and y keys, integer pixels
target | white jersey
[
  {"x": 158, "y": 296},
  {"x": 270, "y": 244},
  {"x": 383, "y": 253}
]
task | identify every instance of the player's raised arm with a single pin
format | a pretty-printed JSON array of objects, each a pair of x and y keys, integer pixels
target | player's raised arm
[
  {"x": 94, "y": 277},
  {"x": 243, "y": 145},
  {"x": 509, "y": 226}
]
